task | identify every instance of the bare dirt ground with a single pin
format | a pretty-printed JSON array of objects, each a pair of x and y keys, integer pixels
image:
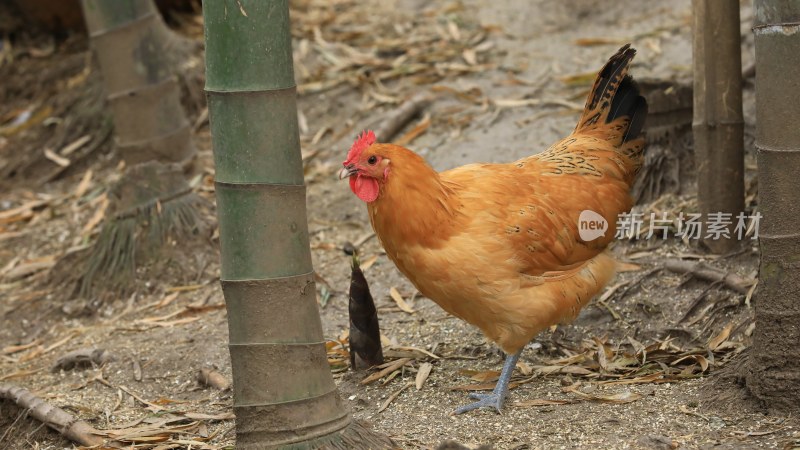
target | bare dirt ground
[{"x": 652, "y": 365}]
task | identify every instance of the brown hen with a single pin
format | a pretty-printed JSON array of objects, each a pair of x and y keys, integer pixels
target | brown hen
[{"x": 499, "y": 245}]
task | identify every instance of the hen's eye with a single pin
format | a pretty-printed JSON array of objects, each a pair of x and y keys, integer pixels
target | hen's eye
[{"x": 372, "y": 160}]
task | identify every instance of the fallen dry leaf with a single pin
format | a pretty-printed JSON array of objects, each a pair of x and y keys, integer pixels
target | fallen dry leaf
[
  {"x": 187, "y": 288},
  {"x": 22, "y": 212},
  {"x": 647, "y": 379},
  {"x": 168, "y": 323},
  {"x": 387, "y": 369},
  {"x": 579, "y": 79},
  {"x": 401, "y": 303},
  {"x": 611, "y": 291},
  {"x": 12, "y": 235},
  {"x": 97, "y": 217},
  {"x": 368, "y": 262},
  {"x": 84, "y": 184},
  {"x": 167, "y": 300},
  {"x": 524, "y": 368},
  {"x": 202, "y": 416},
  {"x": 75, "y": 145},
  {"x": 30, "y": 267},
  {"x": 415, "y": 352},
  {"x": 628, "y": 267},
  {"x": 574, "y": 370},
  {"x": 57, "y": 159},
  {"x": 19, "y": 374},
  {"x": 470, "y": 56},
  {"x": 481, "y": 375},
  {"x": 11, "y": 349},
  {"x": 541, "y": 402},
  {"x": 422, "y": 374},
  {"x": 618, "y": 398},
  {"x": 394, "y": 395},
  {"x": 715, "y": 342},
  {"x": 588, "y": 42},
  {"x": 415, "y": 132}
]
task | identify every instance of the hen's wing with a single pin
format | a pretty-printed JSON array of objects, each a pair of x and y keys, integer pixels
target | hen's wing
[{"x": 531, "y": 209}]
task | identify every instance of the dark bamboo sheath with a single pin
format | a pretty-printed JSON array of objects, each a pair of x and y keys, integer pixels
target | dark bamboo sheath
[
  {"x": 283, "y": 390},
  {"x": 774, "y": 371}
]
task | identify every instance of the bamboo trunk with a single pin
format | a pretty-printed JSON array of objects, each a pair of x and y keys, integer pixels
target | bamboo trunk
[
  {"x": 774, "y": 370},
  {"x": 284, "y": 394},
  {"x": 133, "y": 46},
  {"x": 718, "y": 124}
]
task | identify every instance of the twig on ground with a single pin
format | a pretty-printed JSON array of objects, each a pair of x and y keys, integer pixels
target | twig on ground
[
  {"x": 10, "y": 428},
  {"x": 394, "y": 396},
  {"x": 603, "y": 300},
  {"x": 99, "y": 378},
  {"x": 387, "y": 368},
  {"x": 390, "y": 126},
  {"x": 210, "y": 377},
  {"x": 638, "y": 281},
  {"x": 82, "y": 358},
  {"x": 697, "y": 300},
  {"x": 703, "y": 272}
]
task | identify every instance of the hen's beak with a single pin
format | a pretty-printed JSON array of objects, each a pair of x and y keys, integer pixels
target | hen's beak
[{"x": 348, "y": 171}]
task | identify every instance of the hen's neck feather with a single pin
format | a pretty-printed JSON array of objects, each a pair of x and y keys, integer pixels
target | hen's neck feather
[{"x": 415, "y": 205}]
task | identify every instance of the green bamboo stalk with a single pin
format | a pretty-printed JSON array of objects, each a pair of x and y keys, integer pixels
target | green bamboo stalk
[
  {"x": 284, "y": 394},
  {"x": 774, "y": 370},
  {"x": 133, "y": 47},
  {"x": 718, "y": 124}
]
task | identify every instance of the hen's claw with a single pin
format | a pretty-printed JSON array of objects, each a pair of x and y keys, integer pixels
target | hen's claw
[
  {"x": 491, "y": 400},
  {"x": 479, "y": 396}
]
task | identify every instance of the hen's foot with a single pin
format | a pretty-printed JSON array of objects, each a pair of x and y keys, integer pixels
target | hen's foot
[
  {"x": 491, "y": 400},
  {"x": 497, "y": 397}
]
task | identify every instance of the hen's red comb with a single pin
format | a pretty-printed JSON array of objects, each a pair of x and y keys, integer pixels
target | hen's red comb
[{"x": 362, "y": 142}]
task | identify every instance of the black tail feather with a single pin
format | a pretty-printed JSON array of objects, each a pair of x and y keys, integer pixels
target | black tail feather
[
  {"x": 637, "y": 117},
  {"x": 623, "y": 100},
  {"x": 615, "y": 95},
  {"x": 609, "y": 76},
  {"x": 628, "y": 103}
]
